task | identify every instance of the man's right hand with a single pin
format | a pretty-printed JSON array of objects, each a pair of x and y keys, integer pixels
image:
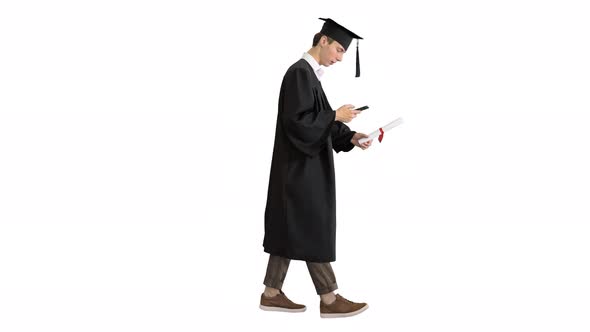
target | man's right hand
[{"x": 346, "y": 113}]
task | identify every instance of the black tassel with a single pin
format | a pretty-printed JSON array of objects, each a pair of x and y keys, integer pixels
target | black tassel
[{"x": 358, "y": 64}]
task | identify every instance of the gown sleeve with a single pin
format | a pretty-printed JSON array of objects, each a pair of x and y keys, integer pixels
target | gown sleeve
[
  {"x": 341, "y": 136},
  {"x": 305, "y": 127}
]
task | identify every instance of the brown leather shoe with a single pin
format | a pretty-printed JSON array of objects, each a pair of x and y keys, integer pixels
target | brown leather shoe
[
  {"x": 280, "y": 302},
  {"x": 341, "y": 307}
]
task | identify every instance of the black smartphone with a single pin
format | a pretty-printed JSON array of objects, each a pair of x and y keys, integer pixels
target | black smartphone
[{"x": 361, "y": 108}]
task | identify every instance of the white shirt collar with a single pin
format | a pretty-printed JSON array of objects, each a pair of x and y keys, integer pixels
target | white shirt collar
[{"x": 314, "y": 65}]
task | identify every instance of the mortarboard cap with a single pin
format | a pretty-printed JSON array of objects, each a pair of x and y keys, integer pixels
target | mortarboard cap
[{"x": 343, "y": 36}]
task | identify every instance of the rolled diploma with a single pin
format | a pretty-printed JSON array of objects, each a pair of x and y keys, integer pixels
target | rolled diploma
[{"x": 386, "y": 128}]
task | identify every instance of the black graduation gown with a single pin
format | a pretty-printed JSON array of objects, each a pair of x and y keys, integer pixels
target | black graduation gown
[{"x": 300, "y": 215}]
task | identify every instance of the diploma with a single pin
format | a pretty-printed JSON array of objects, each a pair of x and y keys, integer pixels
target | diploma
[{"x": 379, "y": 132}]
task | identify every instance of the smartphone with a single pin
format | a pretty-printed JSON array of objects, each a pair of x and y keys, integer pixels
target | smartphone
[{"x": 361, "y": 108}]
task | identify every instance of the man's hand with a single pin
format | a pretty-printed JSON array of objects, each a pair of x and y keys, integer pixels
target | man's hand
[
  {"x": 346, "y": 113},
  {"x": 355, "y": 141}
]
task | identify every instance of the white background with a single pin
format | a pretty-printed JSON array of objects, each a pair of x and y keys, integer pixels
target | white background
[{"x": 136, "y": 140}]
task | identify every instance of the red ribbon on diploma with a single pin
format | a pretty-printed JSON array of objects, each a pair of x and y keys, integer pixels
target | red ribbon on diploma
[{"x": 381, "y": 136}]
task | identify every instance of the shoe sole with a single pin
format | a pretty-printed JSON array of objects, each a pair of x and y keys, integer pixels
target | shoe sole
[
  {"x": 346, "y": 314},
  {"x": 267, "y": 308}
]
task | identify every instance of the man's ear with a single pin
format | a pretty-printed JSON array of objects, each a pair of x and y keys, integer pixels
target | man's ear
[{"x": 323, "y": 40}]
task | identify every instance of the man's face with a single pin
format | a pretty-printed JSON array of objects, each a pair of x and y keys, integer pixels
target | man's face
[{"x": 330, "y": 53}]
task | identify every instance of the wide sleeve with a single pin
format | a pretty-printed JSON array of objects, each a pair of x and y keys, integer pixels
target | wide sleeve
[
  {"x": 341, "y": 136},
  {"x": 306, "y": 128}
]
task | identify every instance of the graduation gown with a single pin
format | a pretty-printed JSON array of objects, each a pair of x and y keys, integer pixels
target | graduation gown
[{"x": 300, "y": 214}]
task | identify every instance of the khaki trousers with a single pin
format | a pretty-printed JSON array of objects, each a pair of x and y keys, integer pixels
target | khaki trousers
[{"x": 321, "y": 274}]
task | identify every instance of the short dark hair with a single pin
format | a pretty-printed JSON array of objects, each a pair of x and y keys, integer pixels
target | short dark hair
[{"x": 318, "y": 36}]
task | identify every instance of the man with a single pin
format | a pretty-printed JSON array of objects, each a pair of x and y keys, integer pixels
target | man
[{"x": 300, "y": 215}]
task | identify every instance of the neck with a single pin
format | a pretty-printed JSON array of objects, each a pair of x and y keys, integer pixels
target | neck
[{"x": 315, "y": 53}]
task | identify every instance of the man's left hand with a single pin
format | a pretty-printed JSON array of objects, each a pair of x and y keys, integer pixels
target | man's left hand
[{"x": 355, "y": 141}]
